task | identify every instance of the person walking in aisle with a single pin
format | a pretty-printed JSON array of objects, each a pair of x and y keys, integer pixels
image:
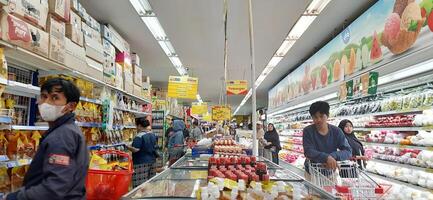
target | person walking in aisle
[
  {"x": 273, "y": 139},
  {"x": 143, "y": 152},
  {"x": 59, "y": 168},
  {"x": 176, "y": 142},
  {"x": 357, "y": 148},
  {"x": 196, "y": 131},
  {"x": 261, "y": 141},
  {"x": 323, "y": 142}
]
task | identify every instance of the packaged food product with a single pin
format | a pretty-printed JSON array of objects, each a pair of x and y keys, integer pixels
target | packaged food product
[
  {"x": 5, "y": 182},
  {"x": 17, "y": 177}
]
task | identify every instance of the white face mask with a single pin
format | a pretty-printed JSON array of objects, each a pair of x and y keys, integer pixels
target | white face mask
[{"x": 50, "y": 113}]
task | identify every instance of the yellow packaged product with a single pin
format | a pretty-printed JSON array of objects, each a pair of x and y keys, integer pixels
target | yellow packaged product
[
  {"x": 5, "y": 182},
  {"x": 3, "y": 65}
]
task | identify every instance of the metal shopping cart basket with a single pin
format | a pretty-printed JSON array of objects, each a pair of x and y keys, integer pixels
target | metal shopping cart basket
[{"x": 348, "y": 181}]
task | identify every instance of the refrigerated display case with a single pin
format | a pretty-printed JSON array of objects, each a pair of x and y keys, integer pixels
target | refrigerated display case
[{"x": 188, "y": 174}]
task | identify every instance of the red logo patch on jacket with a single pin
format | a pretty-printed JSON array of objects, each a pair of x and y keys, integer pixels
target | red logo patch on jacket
[{"x": 58, "y": 159}]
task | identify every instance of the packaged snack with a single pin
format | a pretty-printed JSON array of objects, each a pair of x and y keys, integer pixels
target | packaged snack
[
  {"x": 17, "y": 177},
  {"x": 5, "y": 182}
]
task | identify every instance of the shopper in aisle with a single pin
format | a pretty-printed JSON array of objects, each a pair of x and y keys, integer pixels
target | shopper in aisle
[
  {"x": 358, "y": 152},
  {"x": 143, "y": 152},
  {"x": 59, "y": 167},
  {"x": 176, "y": 142},
  {"x": 262, "y": 142},
  {"x": 196, "y": 131},
  {"x": 323, "y": 142},
  {"x": 169, "y": 131},
  {"x": 273, "y": 141}
]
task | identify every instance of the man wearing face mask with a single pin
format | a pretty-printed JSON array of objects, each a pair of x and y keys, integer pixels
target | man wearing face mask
[{"x": 59, "y": 168}]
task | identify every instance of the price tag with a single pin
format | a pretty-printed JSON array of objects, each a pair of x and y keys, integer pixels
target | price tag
[
  {"x": 3, "y": 158},
  {"x": 198, "y": 174},
  {"x": 12, "y": 164}
]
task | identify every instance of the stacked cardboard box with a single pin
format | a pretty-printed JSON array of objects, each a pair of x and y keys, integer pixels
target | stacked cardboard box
[
  {"x": 22, "y": 34},
  {"x": 109, "y": 62},
  {"x": 109, "y": 33},
  {"x": 36, "y": 16},
  {"x": 57, "y": 31},
  {"x": 60, "y": 9},
  {"x": 124, "y": 60},
  {"x": 137, "y": 73},
  {"x": 73, "y": 29},
  {"x": 119, "y": 76}
]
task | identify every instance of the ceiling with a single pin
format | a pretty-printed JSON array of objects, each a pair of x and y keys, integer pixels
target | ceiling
[{"x": 196, "y": 30}]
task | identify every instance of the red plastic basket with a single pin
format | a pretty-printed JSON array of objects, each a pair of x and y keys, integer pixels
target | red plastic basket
[{"x": 109, "y": 185}]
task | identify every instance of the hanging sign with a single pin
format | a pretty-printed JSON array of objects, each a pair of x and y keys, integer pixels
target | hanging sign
[
  {"x": 365, "y": 85},
  {"x": 237, "y": 87},
  {"x": 221, "y": 113},
  {"x": 198, "y": 108},
  {"x": 182, "y": 87},
  {"x": 207, "y": 117}
]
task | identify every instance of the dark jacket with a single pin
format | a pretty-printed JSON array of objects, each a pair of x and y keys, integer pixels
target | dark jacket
[
  {"x": 274, "y": 138},
  {"x": 59, "y": 167},
  {"x": 146, "y": 142}
]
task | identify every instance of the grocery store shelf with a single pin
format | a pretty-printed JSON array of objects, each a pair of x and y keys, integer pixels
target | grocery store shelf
[
  {"x": 393, "y": 129},
  {"x": 395, "y": 181},
  {"x": 95, "y": 101},
  {"x": 121, "y": 127},
  {"x": 5, "y": 119},
  {"x": 18, "y": 55},
  {"x": 29, "y": 128},
  {"x": 399, "y": 146},
  {"x": 287, "y": 142},
  {"x": 133, "y": 111},
  {"x": 22, "y": 89},
  {"x": 293, "y": 151},
  {"x": 16, "y": 163},
  {"x": 89, "y": 124},
  {"x": 402, "y": 165},
  {"x": 394, "y": 112}
]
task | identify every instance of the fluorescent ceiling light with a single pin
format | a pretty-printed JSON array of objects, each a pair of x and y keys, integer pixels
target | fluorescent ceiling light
[
  {"x": 176, "y": 61},
  {"x": 317, "y": 6},
  {"x": 407, "y": 72},
  {"x": 155, "y": 27},
  {"x": 301, "y": 26},
  {"x": 285, "y": 47},
  {"x": 274, "y": 61},
  {"x": 167, "y": 47},
  {"x": 141, "y": 6}
]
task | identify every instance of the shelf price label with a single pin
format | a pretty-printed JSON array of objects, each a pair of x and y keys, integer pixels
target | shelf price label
[{"x": 183, "y": 87}]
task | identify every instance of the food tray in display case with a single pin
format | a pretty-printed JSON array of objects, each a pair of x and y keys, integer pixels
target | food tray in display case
[{"x": 187, "y": 162}]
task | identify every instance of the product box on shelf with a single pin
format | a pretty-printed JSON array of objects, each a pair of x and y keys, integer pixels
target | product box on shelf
[
  {"x": 75, "y": 6},
  {"x": 124, "y": 57},
  {"x": 106, "y": 32},
  {"x": 109, "y": 65},
  {"x": 128, "y": 86},
  {"x": 109, "y": 48},
  {"x": 137, "y": 90},
  {"x": 57, "y": 39},
  {"x": 138, "y": 74},
  {"x": 73, "y": 29},
  {"x": 94, "y": 49},
  {"x": 37, "y": 15},
  {"x": 75, "y": 57},
  {"x": 92, "y": 33},
  {"x": 135, "y": 59},
  {"x": 4, "y": 2},
  {"x": 116, "y": 39},
  {"x": 96, "y": 67},
  {"x": 22, "y": 34},
  {"x": 89, "y": 20},
  {"x": 109, "y": 79},
  {"x": 60, "y": 9},
  {"x": 119, "y": 76}
]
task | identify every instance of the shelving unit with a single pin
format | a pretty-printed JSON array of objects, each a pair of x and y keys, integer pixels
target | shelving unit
[
  {"x": 398, "y": 146},
  {"x": 158, "y": 122}
]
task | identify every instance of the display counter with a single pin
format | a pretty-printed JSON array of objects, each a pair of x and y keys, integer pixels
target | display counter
[{"x": 187, "y": 175}]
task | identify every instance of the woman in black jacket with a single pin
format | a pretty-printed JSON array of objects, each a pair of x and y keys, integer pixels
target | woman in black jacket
[
  {"x": 273, "y": 139},
  {"x": 357, "y": 148}
]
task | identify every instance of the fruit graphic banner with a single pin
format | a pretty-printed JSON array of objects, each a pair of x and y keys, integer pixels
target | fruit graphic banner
[
  {"x": 198, "y": 108},
  {"x": 237, "y": 87},
  {"x": 221, "y": 113},
  {"x": 182, "y": 87},
  {"x": 387, "y": 31}
]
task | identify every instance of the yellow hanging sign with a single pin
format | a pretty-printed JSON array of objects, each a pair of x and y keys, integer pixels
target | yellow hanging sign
[
  {"x": 237, "y": 87},
  {"x": 198, "y": 108},
  {"x": 182, "y": 87},
  {"x": 207, "y": 117},
  {"x": 221, "y": 113}
]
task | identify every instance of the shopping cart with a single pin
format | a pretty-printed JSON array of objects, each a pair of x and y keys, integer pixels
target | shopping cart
[
  {"x": 347, "y": 181},
  {"x": 109, "y": 185}
]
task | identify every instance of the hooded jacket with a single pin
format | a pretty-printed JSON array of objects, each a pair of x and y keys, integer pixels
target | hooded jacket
[{"x": 177, "y": 138}]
